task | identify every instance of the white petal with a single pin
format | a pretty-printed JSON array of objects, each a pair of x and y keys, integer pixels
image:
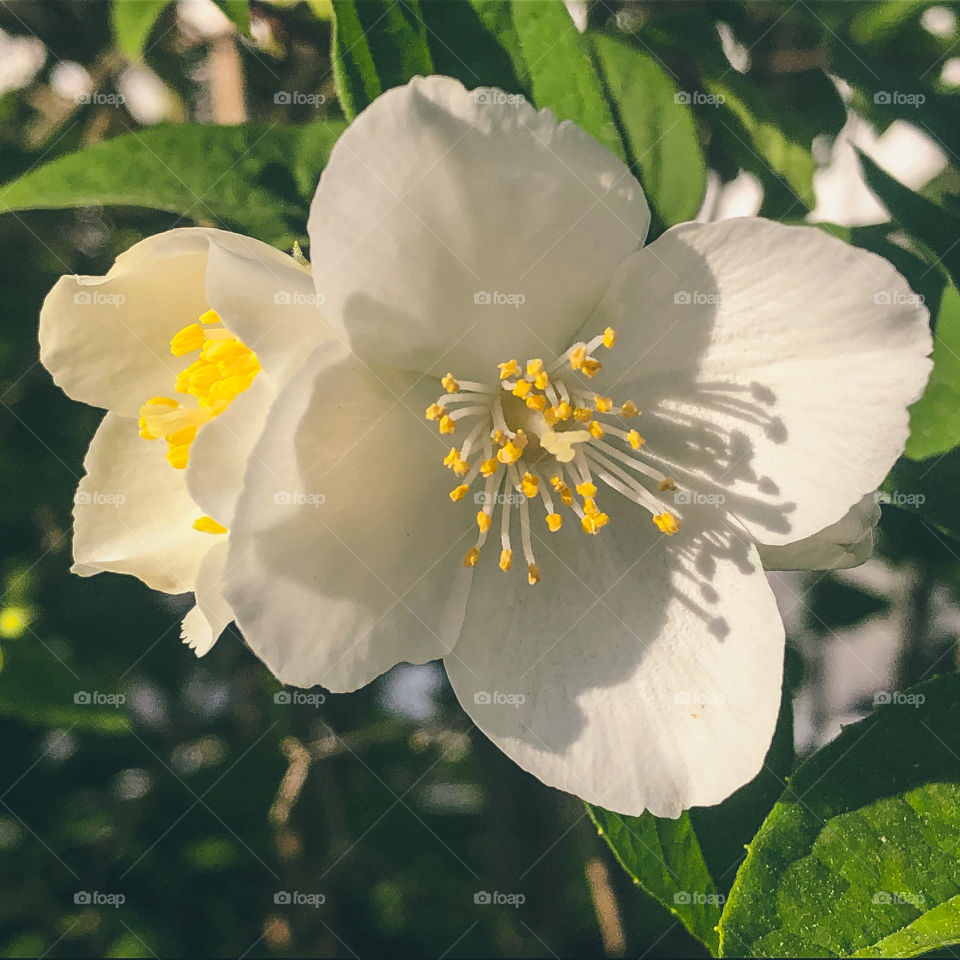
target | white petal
[
  {"x": 133, "y": 513},
  {"x": 203, "y": 624},
  {"x": 846, "y": 543},
  {"x": 649, "y": 667},
  {"x": 774, "y": 366},
  {"x": 219, "y": 454},
  {"x": 106, "y": 340},
  {"x": 433, "y": 196},
  {"x": 345, "y": 554}
]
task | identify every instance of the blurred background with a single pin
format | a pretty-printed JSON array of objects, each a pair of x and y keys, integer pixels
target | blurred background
[{"x": 153, "y": 804}]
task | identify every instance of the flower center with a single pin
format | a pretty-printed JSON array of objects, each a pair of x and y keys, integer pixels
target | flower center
[
  {"x": 534, "y": 436},
  {"x": 224, "y": 368}
]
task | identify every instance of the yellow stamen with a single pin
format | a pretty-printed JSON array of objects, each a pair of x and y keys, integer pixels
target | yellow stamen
[
  {"x": 666, "y": 522},
  {"x": 594, "y": 523},
  {"x": 609, "y": 337},
  {"x": 628, "y": 409},
  {"x": 596, "y": 430},
  {"x": 582, "y": 414},
  {"x": 187, "y": 340},
  {"x": 208, "y": 525},
  {"x": 508, "y": 369},
  {"x": 577, "y": 357},
  {"x": 529, "y": 485},
  {"x": 667, "y": 483},
  {"x": 587, "y": 489},
  {"x": 550, "y": 415},
  {"x": 554, "y": 522},
  {"x": 449, "y": 384},
  {"x": 458, "y": 493},
  {"x": 506, "y": 560},
  {"x": 590, "y": 507},
  {"x": 447, "y": 424},
  {"x": 564, "y": 410},
  {"x": 537, "y": 402},
  {"x": 533, "y": 574},
  {"x": 635, "y": 440},
  {"x": 211, "y": 316},
  {"x": 534, "y": 367},
  {"x": 483, "y": 521},
  {"x": 471, "y": 557},
  {"x": 542, "y": 380},
  {"x": 603, "y": 404},
  {"x": 489, "y": 467},
  {"x": 521, "y": 389},
  {"x": 509, "y": 452},
  {"x": 434, "y": 412},
  {"x": 591, "y": 367}
]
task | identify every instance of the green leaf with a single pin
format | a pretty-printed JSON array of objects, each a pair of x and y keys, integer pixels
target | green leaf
[
  {"x": 238, "y": 12},
  {"x": 861, "y": 855},
  {"x": 659, "y": 130},
  {"x": 132, "y": 21},
  {"x": 256, "y": 178},
  {"x": 928, "y": 489},
  {"x": 754, "y": 130},
  {"x": 562, "y": 77},
  {"x": 664, "y": 857},
  {"x": 930, "y": 225},
  {"x": 935, "y": 417},
  {"x": 377, "y": 44},
  {"x": 688, "y": 864},
  {"x": 475, "y": 42}
]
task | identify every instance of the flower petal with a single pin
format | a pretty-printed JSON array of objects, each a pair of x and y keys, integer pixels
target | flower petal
[
  {"x": 133, "y": 513},
  {"x": 219, "y": 454},
  {"x": 203, "y": 624},
  {"x": 435, "y": 196},
  {"x": 642, "y": 673},
  {"x": 106, "y": 340},
  {"x": 345, "y": 554},
  {"x": 774, "y": 366},
  {"x": 846, "y": 543}
]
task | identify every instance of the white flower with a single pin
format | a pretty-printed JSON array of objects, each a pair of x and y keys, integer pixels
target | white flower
[
  {"x": 731, "y": 385},
  {"x": 185, "y": 342}
]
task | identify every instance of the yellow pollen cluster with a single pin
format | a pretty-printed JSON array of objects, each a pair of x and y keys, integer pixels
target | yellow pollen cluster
[
  {"x": 568, "y": 436},
  {"x": 224, "y": 368}
]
